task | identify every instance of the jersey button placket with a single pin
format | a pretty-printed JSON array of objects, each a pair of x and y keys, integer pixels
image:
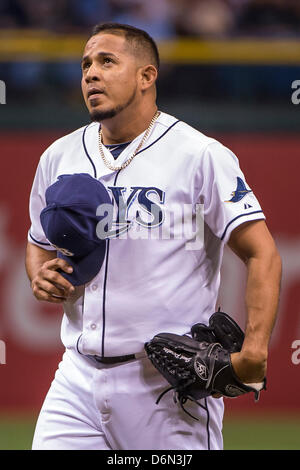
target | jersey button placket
[
  {"x": 94, "y": 289},
  {"x": 92, "y": 316}
]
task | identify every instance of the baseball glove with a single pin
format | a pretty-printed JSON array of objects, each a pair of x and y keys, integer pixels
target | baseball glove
[{"x": 199, "y": 366}]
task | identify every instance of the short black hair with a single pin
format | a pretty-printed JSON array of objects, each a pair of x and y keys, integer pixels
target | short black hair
[{"x": 138, "y": 37}]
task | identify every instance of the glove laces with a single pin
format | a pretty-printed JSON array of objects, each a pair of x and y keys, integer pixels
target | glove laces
[{"x": 179, "y": 395}]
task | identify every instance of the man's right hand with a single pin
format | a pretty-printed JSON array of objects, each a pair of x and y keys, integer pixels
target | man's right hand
[{"x": 49, "y": 285}]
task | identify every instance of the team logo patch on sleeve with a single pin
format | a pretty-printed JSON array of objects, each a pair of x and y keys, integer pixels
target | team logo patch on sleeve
[{"x": 240, "y": 192}]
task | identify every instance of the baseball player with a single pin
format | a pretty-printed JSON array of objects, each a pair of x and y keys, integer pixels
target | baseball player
[{"x": 142, "y": 279}]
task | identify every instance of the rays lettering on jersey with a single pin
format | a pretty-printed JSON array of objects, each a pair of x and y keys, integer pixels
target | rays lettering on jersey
[{"x": 115, "y": 219}]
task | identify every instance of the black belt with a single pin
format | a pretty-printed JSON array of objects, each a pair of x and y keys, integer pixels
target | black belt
[{"x": 117, "y": 359}]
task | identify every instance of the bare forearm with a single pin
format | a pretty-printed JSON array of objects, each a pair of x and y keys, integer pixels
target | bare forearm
[
  {"x": 35, "y": 258},
  {"x": 42, "y": 268},
  {"x": 262, "y": 296},
  {"x": 253, "y": 243}
]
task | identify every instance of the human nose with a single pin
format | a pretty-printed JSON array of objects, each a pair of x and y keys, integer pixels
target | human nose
[{"x": 92, "y": 74}]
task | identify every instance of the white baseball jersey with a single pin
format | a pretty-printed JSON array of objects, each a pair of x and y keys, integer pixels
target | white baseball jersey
[{"x": 158, "y": 273}]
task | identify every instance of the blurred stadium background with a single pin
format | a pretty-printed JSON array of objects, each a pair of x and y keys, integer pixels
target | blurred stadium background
[{"x": 230, "y": 69}]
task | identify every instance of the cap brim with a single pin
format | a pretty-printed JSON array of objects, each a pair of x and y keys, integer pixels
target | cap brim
[{"x": 84, "y": 268}]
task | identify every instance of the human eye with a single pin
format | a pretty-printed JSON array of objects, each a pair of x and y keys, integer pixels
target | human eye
[
  {"x": 107, "y": 60},
  {"x": 85, "y": 65}
]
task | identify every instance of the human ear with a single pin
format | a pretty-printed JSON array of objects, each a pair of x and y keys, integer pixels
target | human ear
[{"x": 148, "y": 76}]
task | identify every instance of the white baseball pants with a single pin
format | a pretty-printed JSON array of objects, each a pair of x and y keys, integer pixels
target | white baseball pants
[{"x": 93, "y": 406}]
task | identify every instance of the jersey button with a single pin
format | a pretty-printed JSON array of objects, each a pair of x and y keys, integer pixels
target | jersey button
[
  {"x": 93, "y": 326},
  {"x": 94, "y": 287}
]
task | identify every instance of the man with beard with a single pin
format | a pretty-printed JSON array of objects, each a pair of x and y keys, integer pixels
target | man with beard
[{"x": 120, "y": 290}]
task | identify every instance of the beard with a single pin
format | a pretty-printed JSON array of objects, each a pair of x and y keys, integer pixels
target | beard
[{"x": 99, "y": 115}]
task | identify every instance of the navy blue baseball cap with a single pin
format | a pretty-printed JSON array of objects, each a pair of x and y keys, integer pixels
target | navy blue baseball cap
[{"x": 70, "y": 224}]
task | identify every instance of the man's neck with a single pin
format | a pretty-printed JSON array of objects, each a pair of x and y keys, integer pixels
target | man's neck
[{"x": 125, "y": 127}]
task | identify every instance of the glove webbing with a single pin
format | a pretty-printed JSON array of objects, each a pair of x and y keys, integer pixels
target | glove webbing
[{"x": 180, "y": 395}]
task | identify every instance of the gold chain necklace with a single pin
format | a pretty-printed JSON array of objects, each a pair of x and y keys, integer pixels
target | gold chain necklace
[{"x": 126, "y": 163}]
